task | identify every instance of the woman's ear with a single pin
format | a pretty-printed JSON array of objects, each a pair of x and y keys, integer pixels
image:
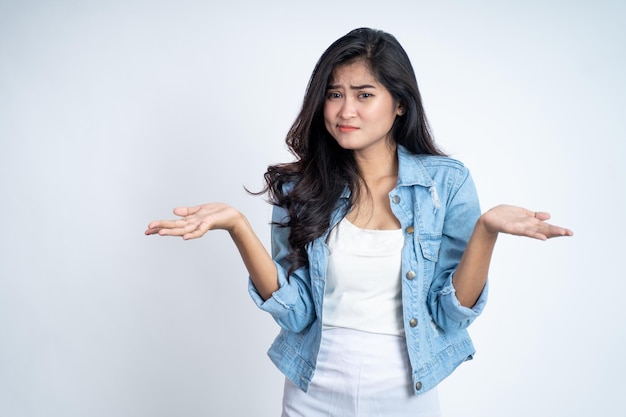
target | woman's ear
[{"x": 400, "y": 110}]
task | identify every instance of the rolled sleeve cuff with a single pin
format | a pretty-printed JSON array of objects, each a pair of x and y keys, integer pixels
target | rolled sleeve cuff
[
  {"x": 282, "y": 300},
  {"x": 453, "y": 308}
]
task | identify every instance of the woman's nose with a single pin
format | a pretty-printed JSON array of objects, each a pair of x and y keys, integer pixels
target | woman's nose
[{"x": 348, "y": 109}]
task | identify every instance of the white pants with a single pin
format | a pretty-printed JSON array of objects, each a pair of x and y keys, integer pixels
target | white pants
[{"x": 360, "y": 374}]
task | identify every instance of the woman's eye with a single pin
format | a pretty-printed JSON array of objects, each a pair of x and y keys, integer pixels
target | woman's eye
[
  {"x": 365, "y": 95},
  {"x": 333, "y": 95}
]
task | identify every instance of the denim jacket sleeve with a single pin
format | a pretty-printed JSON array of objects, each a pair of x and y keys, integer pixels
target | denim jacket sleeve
[
  {"x": 462, "y": 212},
  {"x": 292, "y": 304}
]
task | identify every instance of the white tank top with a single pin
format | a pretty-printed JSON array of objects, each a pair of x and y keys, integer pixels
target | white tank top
[{"x": 363, "y": 280}]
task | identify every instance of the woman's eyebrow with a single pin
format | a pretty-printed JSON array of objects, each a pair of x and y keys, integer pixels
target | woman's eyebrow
[{"x": 352, "y": 87}]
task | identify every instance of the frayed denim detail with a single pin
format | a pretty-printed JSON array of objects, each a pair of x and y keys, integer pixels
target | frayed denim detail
[
  {"x": 448, "y": 290},
  {"x": 435, "y": 197}
]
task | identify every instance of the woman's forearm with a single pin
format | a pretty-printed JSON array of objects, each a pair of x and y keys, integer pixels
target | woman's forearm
[
  {"x": 471, "y": 274},
  {"x": 257, "y": 260}
]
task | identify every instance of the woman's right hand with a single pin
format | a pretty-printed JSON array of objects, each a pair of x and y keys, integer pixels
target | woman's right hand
[{"x": 196, "y": 221}]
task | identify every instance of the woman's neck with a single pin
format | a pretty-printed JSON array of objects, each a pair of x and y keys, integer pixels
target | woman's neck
[
  {"x": 378, "y": 164},
  {"x": 371, "y": 210}
]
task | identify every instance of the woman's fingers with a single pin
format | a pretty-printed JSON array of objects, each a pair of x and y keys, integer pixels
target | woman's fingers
[
  {"x": 556, "y": 231},
  {"x": 539, "y": 229},
  {"x": 198, "y": 231},
  {"x": 195, "y": 221},
  {"x": 186, "y": 211},
  {"x": 541, "y": 215},
  {"x": 168, "y": 227},
  {"x": 522, "y": 222}
]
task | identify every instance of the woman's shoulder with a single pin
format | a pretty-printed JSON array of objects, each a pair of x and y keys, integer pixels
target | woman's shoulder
[
  {"x": 430, "y": 162},
  {"x": 438, "y": 160}
]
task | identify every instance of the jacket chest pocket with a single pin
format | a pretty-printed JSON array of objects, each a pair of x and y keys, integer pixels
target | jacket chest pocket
[{"x": 427, "y": 247}]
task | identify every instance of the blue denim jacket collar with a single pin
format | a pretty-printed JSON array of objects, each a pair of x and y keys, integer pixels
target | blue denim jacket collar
[
  {"x": 410, "y": 173},
  {"x": 407, "y": 172}
]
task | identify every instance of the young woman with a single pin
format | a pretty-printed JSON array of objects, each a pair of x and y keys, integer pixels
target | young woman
[{"x": 379, "y": 254}]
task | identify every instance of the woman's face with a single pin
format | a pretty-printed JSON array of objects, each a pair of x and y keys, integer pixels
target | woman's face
[{"x": 358, "y": 111}]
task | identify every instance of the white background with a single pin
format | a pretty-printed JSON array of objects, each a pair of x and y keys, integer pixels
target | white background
[{"x": 114, "y": 112}]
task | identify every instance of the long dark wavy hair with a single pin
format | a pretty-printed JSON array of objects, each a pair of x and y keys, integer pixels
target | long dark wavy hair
[{"x": 310, "y": 187}]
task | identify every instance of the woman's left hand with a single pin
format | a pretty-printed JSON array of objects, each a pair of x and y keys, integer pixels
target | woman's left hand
[{"x": 521, "y": 222}]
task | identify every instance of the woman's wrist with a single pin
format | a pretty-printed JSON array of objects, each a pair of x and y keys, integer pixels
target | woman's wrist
[{"x": 483, "y": 227}]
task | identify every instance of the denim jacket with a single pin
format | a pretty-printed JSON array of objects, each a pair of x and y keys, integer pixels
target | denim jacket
[{"x": 436, "y": 203}]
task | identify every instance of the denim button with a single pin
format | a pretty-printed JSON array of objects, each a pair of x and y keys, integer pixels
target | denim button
[
  {"x": 410, "y": 275},
  {"x": 409, "y": 230},
  {"x": 395, "y": 199},
  {"x": 413, "y": 322},
  {"x": 418, "y": 385}
]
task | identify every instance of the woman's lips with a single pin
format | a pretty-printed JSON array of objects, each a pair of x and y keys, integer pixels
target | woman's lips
[{"x": 347, "y": 128}]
